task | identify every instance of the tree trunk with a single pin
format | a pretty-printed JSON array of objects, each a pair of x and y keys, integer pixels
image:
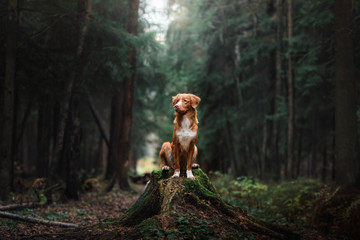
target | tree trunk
[
  {"x": 23, "y": 124},
  {"x": 7, "y": 121},
  {"x": 43, "y": 137},
  {"x": 67, "y": 149},
  {"x": 324, "y": 165},
  {"x": 98, "y": 161},
  {"x": 115, "y": 132},
  {"x": 290, "y": 136},
  {"x": 234, "y": 161},
  {"x": 127, "y": 102},
  {"x": 267, "y": 150},
  {"x": 74, "y": 136},
  {"x": 279, "y": 69},
  {"x": 98, "y": 120},
  {"x": 347, "y": 161},
  {"x": 299, "y": 153}
]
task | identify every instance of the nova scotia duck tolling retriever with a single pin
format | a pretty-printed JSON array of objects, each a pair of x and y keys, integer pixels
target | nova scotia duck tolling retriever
[{"x": 181, "y": 153}]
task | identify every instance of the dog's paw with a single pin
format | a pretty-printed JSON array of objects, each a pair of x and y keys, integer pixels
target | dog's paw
[
  {"x": 190, "y": 175},
  {"x": 176, "y": 175},
  {"x": 195, "y": 166},
  {"x": 165, "y": 168}
]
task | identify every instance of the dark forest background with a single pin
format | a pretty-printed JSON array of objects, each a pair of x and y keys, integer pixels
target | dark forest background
[{"x": 83, "y": 83}]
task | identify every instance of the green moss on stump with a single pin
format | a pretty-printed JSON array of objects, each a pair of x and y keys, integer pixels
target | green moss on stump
[{"x": 154, "y": 213}]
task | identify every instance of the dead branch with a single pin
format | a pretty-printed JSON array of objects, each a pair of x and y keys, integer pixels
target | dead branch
[
  {"x": 18, "y": 206},
  {"x": 98, "y": 120},
  {"x": 36, "y": 220}
]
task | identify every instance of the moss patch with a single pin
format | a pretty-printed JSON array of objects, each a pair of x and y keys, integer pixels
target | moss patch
[{"x": 149, "y": 228}]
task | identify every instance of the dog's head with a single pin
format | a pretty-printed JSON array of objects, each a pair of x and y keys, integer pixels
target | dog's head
[{"x": 183, "y": 102}]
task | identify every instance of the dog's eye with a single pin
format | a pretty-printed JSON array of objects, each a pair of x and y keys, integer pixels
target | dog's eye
[{"x": 185, "y": 101}]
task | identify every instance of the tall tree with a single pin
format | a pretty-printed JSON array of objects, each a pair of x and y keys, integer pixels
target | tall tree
[
  {"x": 267, "y": 150},
  {"x": 127, "y": 102},
  {"x": 43, "y": 136},
  {"x": 115, "y": 131},
  {"x": 73, "y": 129},
  {"x": 279, "y": 72},
  {"x": 346, "y": 145},
  {"x": 8, "y": 94},
  {"x": 290, "y": 132},
  {"x": 124, "y": 134}
]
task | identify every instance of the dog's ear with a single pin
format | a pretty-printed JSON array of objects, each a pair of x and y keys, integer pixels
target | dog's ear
[
  {"x": 195, "y": 100},
  {"x": 174, "y": 99}
]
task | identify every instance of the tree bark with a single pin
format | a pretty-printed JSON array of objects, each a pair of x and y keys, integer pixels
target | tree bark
[
  {"x": 324, "y": 165},
  {"x": 43, "y": 137},
  {"x": 73, "y": 128},
  {"x": 299, "y": 147},
  {"x": 291, "y": 113},
  {"x": 115, "y": 119},
  {"x": 69, "y": 132},
  {"x": 98, "y": 121},
  {"x": 6, "y": 160},
  {"x": 279, "y": 68},
  {"x": 23, "y": 124},
  {"x": 127, "y": 102},
  {"x": 267, "y": 141},
  {"x": 346, "y": 145}
]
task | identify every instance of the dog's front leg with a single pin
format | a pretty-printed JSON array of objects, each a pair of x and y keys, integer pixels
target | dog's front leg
[
  {"x": 176, "y": 163},
  {"x": 190, "y": 161}
]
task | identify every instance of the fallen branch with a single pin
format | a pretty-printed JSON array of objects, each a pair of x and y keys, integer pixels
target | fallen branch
[
  {"x": 18, "y": 206},
  {"x": 36, "y": 220}
]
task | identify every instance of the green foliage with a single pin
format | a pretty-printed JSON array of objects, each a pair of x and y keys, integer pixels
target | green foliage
[
  {"x": 148, "y": 229},
  {"x": 190, "y": 226},
  {"x": 288, "y": 201},
  {"x": 302, "y": 203}
]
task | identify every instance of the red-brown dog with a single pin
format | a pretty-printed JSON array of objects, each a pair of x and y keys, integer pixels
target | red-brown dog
[{"x": 181, "y": 153}]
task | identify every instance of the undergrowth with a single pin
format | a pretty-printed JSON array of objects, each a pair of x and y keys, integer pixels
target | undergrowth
[{"x": 301, "y": 203}]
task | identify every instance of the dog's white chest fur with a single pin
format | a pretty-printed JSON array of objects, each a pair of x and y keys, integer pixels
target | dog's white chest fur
[{"x": 185, "y": 135}]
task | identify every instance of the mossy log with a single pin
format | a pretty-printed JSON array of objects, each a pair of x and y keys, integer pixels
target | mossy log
[{"x": 182, "y": 208}]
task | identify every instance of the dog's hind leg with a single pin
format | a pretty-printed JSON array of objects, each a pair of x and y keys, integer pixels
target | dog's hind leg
[{"x": 166, "y": 157}]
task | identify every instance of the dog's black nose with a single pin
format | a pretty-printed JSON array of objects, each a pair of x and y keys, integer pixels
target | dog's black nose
[{"x": 176, "y": 106}]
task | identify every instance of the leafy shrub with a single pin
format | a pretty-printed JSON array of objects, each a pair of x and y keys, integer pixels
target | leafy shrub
[
  {"x": 301, "y": 203},
  {"x": 285, "y": 202}
]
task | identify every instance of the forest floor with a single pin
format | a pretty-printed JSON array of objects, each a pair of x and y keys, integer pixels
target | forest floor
[{"x": 93, "y": 207}]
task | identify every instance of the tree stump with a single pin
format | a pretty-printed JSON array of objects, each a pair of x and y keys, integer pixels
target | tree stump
[
  {"x": 181, "y": 208},
  {"x": 187, "y": 209}
]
